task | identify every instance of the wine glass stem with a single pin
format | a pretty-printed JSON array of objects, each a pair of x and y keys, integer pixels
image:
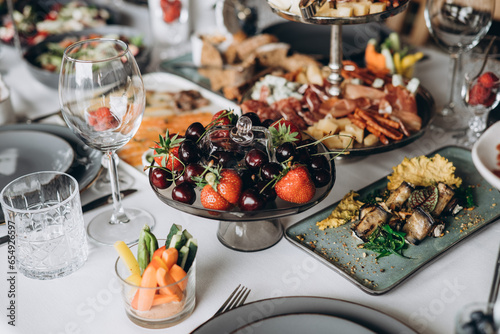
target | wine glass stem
[
  {"x": 118, "y": 215},
  {"x": 450, "y": 106}
]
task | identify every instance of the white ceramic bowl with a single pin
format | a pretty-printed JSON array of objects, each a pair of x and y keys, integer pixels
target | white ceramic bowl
[{"x": 485, "y": 153}]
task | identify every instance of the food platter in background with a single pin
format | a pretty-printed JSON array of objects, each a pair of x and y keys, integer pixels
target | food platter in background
[
  {"x": 235, "y": 77},
  {"x": 43, "y": 59},
  {"x": 36, "y": 20}
]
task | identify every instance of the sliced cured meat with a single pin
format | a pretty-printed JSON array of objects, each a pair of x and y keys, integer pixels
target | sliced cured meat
[
  {"x": 353, "y": 92},
  {"x": 262, "y": 109},
  {"x": 289, "y": 109}
]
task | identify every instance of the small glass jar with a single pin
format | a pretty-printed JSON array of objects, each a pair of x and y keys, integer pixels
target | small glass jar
[{"x": 165, "y": 311}]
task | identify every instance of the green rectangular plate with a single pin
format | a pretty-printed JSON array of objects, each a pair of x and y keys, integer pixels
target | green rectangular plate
[{"x": 337, "y": 247}]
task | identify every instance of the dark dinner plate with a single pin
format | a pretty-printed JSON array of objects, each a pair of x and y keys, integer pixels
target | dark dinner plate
[{"x": 51, "y": 79}]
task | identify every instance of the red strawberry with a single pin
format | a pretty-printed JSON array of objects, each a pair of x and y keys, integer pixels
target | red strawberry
[
  {"x": 211, "y": 199},
  {"x": 226, "y": 183},
  {"x": 230, "y": 185},
  {"x": 296, "y": 185},
  {"x": 102, "y": 119},
  {"x": 283, "y": 131},
  {"x": 167, "y": 152},
  {"x": 171, "y": 10},
  {"x": 490, "y": 100},
  {"x": 489, "y": 80},
  {"x": 223, "y": 117},
  {"x": 478, "y": 94}
]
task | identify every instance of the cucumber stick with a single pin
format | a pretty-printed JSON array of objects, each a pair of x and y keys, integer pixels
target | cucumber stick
[
  {"x": 174, "y": 229},
  {"x": 183, "y": 256},
  {"x": 178, "y": 240},
  {"x": 192, "y": 244}
]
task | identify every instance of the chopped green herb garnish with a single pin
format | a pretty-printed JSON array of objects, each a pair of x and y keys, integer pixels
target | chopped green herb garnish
[
  {"x": 465, "y": 196},
  {"x": 376, "y": 196},
  {"x": 385, "y": 241}
]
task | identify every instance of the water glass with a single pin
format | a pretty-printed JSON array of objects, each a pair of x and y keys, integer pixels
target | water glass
[
  {"x": 165, "y": 311},
  {"x": 45, "y": 209}
]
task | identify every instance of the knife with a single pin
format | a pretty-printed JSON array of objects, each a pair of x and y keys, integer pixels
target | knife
[
  {"x": 104, "y": 200},
  {"x": 108, "y": 199}
]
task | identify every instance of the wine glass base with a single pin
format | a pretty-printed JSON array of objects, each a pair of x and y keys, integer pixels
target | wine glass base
[
  {"x": 102, "y": 231},
  {"x": 250, "y": 236},
  {"x": 450, "y": 123}
]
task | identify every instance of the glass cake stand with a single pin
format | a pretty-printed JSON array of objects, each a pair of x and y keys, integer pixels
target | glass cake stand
[
  {"x": 335, "y": 64},
  {"x": 249, "y": 231}
]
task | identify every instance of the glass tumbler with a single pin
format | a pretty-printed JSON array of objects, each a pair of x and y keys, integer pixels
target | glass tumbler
[
  {"x": 45, "y": 209},
  {"x": 160, "y": 306}
]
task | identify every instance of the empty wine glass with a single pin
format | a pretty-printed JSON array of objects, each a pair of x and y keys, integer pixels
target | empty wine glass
[
  {"x": 481, "y": 86},
  {"x": 102, "y": 99},
  {"x": 457, "y": 26}
]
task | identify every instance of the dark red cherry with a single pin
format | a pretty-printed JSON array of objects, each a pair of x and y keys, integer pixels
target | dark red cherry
[
  {"x": 195, "y": 131},
  {"x": 250, "y": 200},
  {"x": 256, "y": 158},
  {"x": 225, "y": 159},
  {"x": 270, "y": 170},
  {"x": 266, "y": 191},
  {"x": 189, "y": 152},
  {"x": 302, "y": 155},
  {"x": 319, "y": 162},
  {"x": 267, "y": 123},
  {"x": 247, "y": 177},
  {"x": 188, "y": 173},
  {"x": 321, "y": 177},
  {"x": 184, "y": 193},
  {"x": 285, "y": 151},
  {"x": 160, "y": 178},
  {"x": 313, "y": 149},
  {"x": 254, "y": 118}
]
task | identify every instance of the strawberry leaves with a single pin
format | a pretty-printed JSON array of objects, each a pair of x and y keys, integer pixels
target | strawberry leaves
[
  {"x": 166, "y": 152},
  {"x": 284, "y": 131}
]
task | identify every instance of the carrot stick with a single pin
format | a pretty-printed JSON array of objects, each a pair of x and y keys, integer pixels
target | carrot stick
[
  {"x": 159, "y": 252},
  {"x": 168, "y": 283},
  {"x": 163, "y": 299},
  {"x": 143, "y": 299},
  {"x": 157, "y": 262},
  {"x": 170, "y": 256},
  {"x": 178, "y": 274}
]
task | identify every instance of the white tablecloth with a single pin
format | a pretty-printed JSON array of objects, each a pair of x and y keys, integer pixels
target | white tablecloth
[{"x": 88, "y": 301}]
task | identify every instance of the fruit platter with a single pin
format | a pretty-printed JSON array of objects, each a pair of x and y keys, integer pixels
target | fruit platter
[{"x": 244, "y": 173}]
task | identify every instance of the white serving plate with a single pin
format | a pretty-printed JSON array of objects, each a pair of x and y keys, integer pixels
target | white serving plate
[{"x": 485, "y": 153}]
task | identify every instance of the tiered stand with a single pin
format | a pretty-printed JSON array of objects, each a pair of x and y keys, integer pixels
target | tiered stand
[{"x": 336, "y": 23}]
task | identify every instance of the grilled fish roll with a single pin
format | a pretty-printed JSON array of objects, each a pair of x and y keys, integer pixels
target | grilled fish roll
[
  {"x": 399, "y": 196},
  {"x": 370, "y": 221},
  {"x": 418, "y": 226},
  {"x": 445, "y": 196}
]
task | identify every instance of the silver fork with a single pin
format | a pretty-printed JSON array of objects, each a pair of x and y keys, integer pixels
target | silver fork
[{"x": 235, "y": 299}]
